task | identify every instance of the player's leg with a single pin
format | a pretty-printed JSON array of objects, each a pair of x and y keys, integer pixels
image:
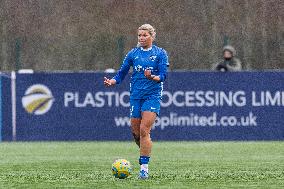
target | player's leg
[
  {"x": 150, "y": 110},
  {"x": 135, "y": 129},
  {"x": 135, "y": 114},
  {"x": 148, "y": 119}
]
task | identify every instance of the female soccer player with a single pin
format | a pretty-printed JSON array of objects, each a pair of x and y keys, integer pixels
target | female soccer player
[{"x": 149, "y": 64}]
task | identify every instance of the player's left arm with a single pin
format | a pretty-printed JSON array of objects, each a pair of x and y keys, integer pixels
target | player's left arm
[{"x": 162, "y": 68}]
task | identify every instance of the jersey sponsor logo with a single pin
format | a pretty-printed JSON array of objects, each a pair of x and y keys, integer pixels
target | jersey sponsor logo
[
  {"x": 149, "y": 68},
  {"x": 37, "y": 100},
  {"x": 138, "y": 68}
]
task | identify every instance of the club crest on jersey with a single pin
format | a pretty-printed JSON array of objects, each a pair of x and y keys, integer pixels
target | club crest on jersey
[
  {"x": 153, "y": 58},
  {"x": 138, "y": 68}
]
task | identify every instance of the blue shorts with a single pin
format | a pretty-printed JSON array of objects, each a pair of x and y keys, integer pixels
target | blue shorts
[{"x": 137, "y": 106}]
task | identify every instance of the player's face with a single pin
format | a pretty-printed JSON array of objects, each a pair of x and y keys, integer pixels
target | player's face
[{"x": 145, "y": 39}]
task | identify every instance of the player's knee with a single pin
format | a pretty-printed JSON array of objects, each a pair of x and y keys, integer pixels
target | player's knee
[{"x": 144, "y": 132}]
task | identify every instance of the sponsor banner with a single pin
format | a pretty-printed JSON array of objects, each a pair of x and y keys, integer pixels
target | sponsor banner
[{"x": 195, "y": 106}]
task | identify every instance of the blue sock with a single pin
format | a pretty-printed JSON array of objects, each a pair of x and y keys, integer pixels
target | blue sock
[{"x": 144, "y": 160}]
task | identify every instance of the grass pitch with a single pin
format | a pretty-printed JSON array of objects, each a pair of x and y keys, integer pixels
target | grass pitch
[{"x": 173, "y": 165}]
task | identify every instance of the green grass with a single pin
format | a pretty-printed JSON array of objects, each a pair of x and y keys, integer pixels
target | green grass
[{"x": 173, "y": 165}]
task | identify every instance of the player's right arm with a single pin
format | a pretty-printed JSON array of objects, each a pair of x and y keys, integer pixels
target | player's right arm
[{"x": 122, "y": 72}]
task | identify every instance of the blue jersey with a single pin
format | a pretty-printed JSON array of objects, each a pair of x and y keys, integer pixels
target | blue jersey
[{"x": 154, "y": 59}]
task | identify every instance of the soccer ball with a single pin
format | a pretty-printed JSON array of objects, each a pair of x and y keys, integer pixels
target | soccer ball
[{"x": 121, "y": 168}]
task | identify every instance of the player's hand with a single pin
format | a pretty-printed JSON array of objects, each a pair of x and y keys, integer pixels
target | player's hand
[
  {"x": 147, "y": 74},
  {"x": 109, "y": 82}
]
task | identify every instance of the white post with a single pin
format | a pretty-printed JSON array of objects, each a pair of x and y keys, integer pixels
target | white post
[{"x": 13, "y": 92}]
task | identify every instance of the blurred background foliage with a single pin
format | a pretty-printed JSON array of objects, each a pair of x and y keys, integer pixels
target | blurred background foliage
[{"x": 96, "y": 34}]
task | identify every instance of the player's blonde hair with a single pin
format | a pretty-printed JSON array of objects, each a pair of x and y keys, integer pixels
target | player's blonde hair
[{"x": 148, "y": 28}]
